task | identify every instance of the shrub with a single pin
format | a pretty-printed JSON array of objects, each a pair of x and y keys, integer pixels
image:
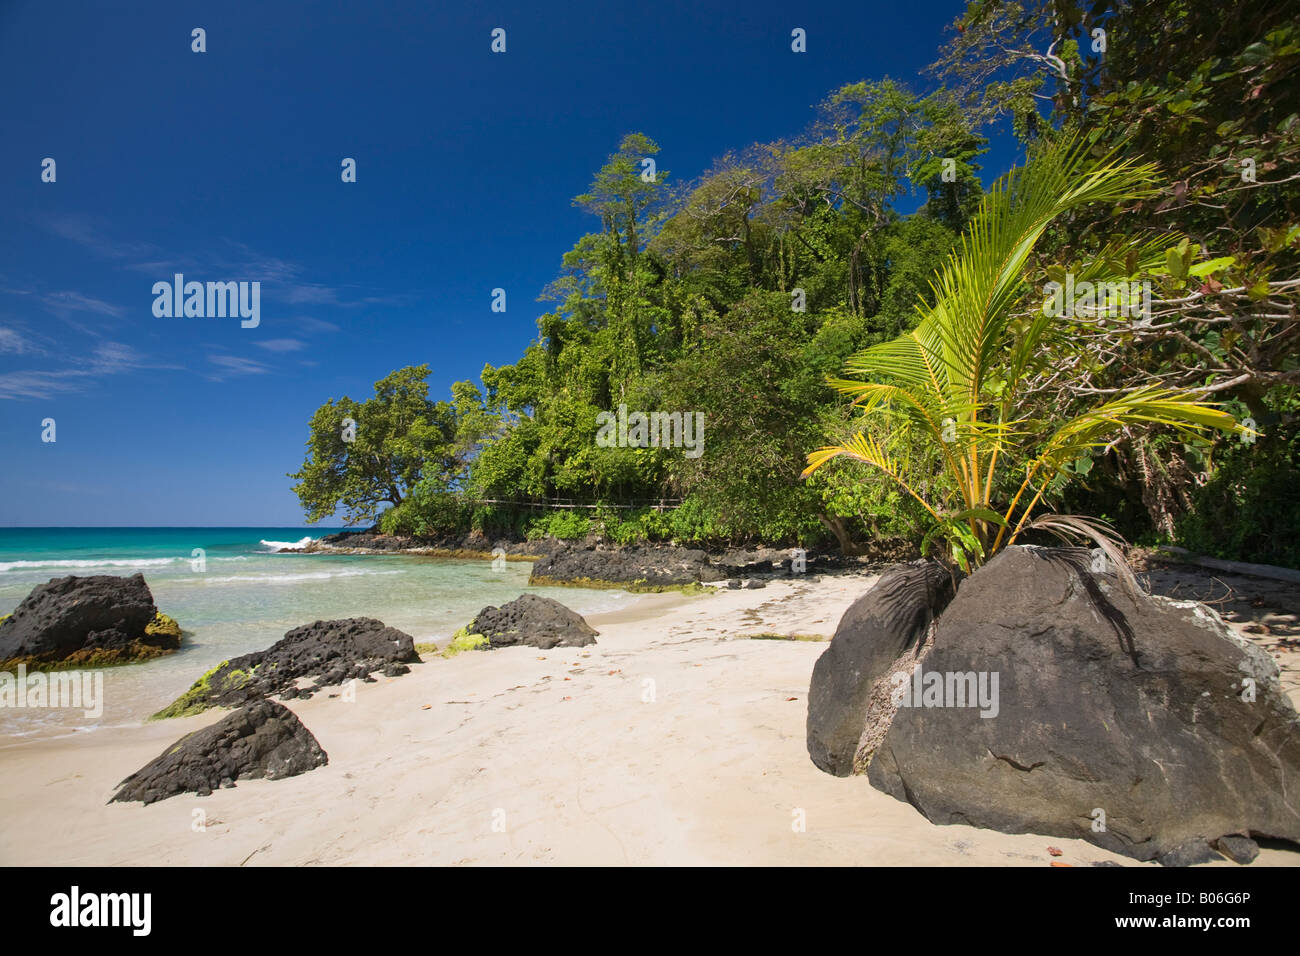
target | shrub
[
  {"x": 1249, "y": 510},
  {"x": 566, "y": 524},
  {"x": 427, "y": 513}
]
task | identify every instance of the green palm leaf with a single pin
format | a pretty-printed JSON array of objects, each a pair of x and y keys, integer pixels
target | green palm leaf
[{"x": 956, "y": 377}]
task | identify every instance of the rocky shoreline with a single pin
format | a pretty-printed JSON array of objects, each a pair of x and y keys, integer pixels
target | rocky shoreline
[
  {"x": 96, "y": 621},
  {"x": 540, "y": 673},
  {"x": 641, "y": 567}
]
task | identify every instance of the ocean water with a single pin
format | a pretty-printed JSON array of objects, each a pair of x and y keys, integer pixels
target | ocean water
[{"x": 242, "y": 596}]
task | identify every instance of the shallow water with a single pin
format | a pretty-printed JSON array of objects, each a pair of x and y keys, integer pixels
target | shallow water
[{"x": 243, "y": 596}]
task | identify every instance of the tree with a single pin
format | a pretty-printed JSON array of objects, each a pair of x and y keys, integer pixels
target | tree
[
  {"x": 753, "y": 380},
  {"x": 1209, "y": 95},
  {"x": 957, "y": 378},
  {"x": 362, "y": 455},
  {"x": 1010, "y": 58},
  {"x": 623, "y": 191}
]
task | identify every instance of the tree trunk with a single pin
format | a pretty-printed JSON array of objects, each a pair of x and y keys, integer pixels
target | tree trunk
[{"x": 836, "y": 527}]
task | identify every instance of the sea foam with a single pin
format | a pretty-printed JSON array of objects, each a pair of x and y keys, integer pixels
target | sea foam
[
  {"x": 281, "y": 545},
  {"x": 291, "y": 578},
  {"x": 89, "y": 563}
]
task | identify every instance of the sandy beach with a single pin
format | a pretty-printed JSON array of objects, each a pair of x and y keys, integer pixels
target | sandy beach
[{"x": 676, "y": 740}]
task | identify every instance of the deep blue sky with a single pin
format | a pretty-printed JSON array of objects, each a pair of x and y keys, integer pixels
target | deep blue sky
[{"x": 225, "y": 166}]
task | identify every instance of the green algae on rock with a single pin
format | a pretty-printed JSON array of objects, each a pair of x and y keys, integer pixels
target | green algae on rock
[
  {"x": 96, "y": 621},
  {"x": 331, "y": 652}
]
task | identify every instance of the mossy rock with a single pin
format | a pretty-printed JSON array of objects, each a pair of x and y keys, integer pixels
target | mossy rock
[
  {"x": 92, "y": 658},
  {"x": 331, "y": 653},
  {"x": 199, "y": 697},
  {"x": 163, "y": 626},
  {"x": 463, "y": 640},
  {"x": 86, "y": 622},
  {"x": 470, "y": 554}
]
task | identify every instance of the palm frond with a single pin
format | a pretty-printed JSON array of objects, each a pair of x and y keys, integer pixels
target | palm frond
[
  {"x": 1149, "y": 405},
  {"x": 1073, "y": 528},
  {"x": 983, "y": 278},
  {"x": 913, "y": 360},
  {"x": 862, "y": 447},
  {"x": 939, "y": 378}
]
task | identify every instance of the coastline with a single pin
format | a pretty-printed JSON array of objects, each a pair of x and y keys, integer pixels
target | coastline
[{"x": 561, "y": 747}]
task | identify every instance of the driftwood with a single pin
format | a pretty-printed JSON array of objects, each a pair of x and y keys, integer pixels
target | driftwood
[{"x": 1290, "y": 575}]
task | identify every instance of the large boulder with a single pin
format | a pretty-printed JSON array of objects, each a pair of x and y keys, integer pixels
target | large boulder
[
  {"x": 261, "y": 739},
  {"x": 1141, "y": 724},
  {"x": 634, "y": 568},
  {"x": 534, "y": 621},
  {"x": 330, "y": 652},
  {"x": 86, "y": 621},
  {"x": 878, "y": 628}
]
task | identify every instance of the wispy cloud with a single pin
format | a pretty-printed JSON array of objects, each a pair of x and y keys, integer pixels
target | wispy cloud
[
  {"x": 310, "y": 294},
  {"x": 316, "y": 325},
  {"x": 281, "y": 279},
  {"x": 13, "y": 341},
  {"x": 88, "y": 234},
  {"x": 163, "y": 267},
  {"x": 232, "y": 365},
  {"x": 61, "y": 303},
  {"x": 108, "y": 358},
  {"x": 282, "y": 345},
  {"x": 395, "y": 299}
]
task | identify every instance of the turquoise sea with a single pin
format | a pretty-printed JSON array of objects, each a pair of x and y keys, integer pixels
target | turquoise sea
[{"x": 241, "y": 593}]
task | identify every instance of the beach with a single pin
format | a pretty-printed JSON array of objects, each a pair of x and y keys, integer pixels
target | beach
[
  {"x": 241, "y": 594},
  {"x": 677, "y": 739}
]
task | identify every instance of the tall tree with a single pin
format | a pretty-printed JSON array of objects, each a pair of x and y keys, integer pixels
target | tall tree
[{"x": 363, "y": 455}]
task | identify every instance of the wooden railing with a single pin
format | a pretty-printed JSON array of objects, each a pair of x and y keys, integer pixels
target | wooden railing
[{"x": 658, "y": 504}]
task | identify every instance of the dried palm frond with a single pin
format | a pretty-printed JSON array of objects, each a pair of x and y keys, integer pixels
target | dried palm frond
[{"x": 1074, "y": 528}]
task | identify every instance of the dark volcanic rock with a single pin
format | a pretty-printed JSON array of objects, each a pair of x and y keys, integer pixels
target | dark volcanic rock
[
  {"x": 261, "y": 739},
  {"x": 371, "y": 541},
  {"x": 331, "y": 652},
  {"x": 84, "y": 620},
  {"x": 593, "y": 562},
  {"x": 878, "y": 627},
  {"x": 642, "y": 567},
  {"x": 471, "y": 545},
  {"x": 736, "y": 563},
  {"x": 1190, "y": 853},
  {"x": 1237, "y": 848},
  {"x": 533, "y": 620},
  {"x": 1138, "y": 707}
]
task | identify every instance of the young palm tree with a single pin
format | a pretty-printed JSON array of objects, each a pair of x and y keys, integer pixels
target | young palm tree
[{"x": 959, "y": 377}]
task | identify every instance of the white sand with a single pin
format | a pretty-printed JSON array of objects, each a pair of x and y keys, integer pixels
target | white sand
[{"x": 517, "y": 756}]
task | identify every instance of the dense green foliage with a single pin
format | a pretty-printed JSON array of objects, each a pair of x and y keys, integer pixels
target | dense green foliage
[
  {"x": 737, "y": 295},
  {"x": 366, "y": 454},
  {"x": 1212, "y": 96},
  {"x": 962, "y": 380},
  {"x": 1250, "y": 507}
]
